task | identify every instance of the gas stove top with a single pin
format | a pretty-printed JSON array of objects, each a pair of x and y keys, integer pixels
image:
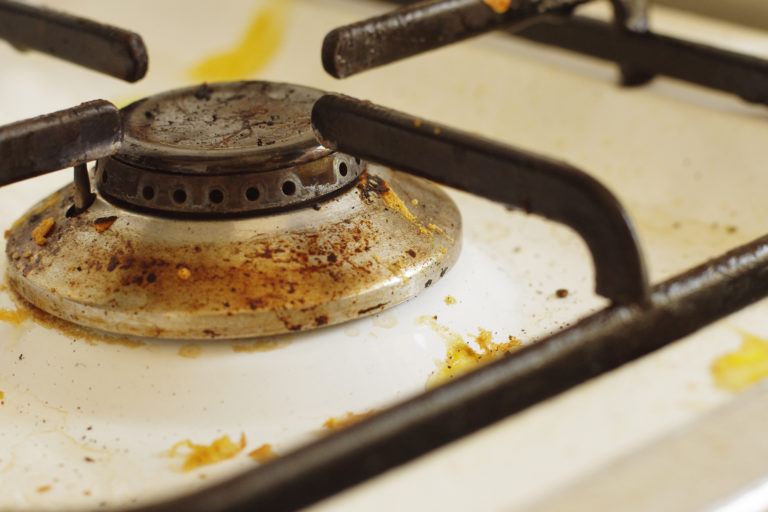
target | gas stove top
[{"x": 113, "y": 405}]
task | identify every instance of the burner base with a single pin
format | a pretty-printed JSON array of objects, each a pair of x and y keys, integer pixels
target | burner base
[{"x": 372, "y": 247}]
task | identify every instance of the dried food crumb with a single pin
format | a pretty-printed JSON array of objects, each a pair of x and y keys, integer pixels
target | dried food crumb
[
  {"x": 263, "y": 453},
  {"x": 42, "y": 230},
  {"x": 450, "y": 300},
  {"x": 102, "y": 224},
  {"x": 198, "y": 455},
  {"x": 415, "y": 202},
  {"x": 184, "y": 273},
  {"x": 498, "y": 6},
  {"x": 743, "y": 367},
  {"x": 561, "y": 293},
  {"x": 349, "y": 419}
]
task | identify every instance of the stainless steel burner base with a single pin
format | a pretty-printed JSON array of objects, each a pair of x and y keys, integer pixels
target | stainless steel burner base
[{"x": 372, "y": 247}]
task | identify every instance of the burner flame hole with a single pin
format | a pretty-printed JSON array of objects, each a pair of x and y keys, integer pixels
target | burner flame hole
[
  {"x": 289, "y": 188},
  {"x": 148, "y": 193},
  {"x": 343, "y": 169},
  {"x": 179, "y": 196},
  {"x": 252, "y": 194},
  {"x": 216, "y": 196}
]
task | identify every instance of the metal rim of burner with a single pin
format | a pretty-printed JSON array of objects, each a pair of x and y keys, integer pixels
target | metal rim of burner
[{"x": 223, "y": 149}]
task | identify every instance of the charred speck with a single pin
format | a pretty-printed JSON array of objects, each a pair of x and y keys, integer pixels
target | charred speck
[
  {"x": 203, "y": 92},
  {"x": 321, "y": 320},
  {"x": 368, "y": 310},
  {"x": 148, "y": 114},
  {"x": 113, "y": 263},
  {"x": 442, "y": 272},
  {"x": 332, "y": 258},
  {"x": 411, "y": 253},
  {"x": 561, "y": 293},
  {"x": 428, "y": 284},
  {"x": 316, "y": 207},
  {"x": 368, "y": 184},
  {"x": 210, "y": 333},
  {"x": 151, "y": 277}
]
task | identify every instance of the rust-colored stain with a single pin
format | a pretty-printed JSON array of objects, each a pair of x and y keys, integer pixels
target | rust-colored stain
[
  {"x": 253, "y": 51},
  {"x": 288, "y": 278},
  {"x": 198, "y": 455},
  {"x": 263, "y": 453},
  {"x": 42, "y": 230},
  {"x": 191, "y": 351},
  {"x": 743, "y": 367},
  {"x": 498, "y": 6},
  {"x": 463, "y": 358},
  {"x": 349, "y": 419},
  {"x": 25, "y": 311},
  {"x": 102, "y": 224}
]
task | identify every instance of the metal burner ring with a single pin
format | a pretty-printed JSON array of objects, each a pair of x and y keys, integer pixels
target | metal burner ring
[{"x": 225, "y": 194}]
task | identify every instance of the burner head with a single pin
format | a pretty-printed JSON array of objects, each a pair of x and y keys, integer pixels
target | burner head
[
  {"x": 126, "y": 266},
  {"x": 223, "y": 149}
]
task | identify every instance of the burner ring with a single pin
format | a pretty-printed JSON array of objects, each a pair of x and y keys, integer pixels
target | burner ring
[
  {"x": 226, "y": 194},
  {"x": 223, "y": 149}
]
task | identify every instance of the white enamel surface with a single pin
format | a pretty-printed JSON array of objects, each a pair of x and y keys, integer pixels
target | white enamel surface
[{"x": 687, "y": 164}]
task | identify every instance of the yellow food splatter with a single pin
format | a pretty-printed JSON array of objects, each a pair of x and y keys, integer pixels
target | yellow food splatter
[
  {"x": 263, "y": 453},
  {"x": 254, "y": 50},
  {"x": 184, "y": 273},
  {"x": 190, "y": 351},
  {"x": 744, "y": 367},
  {"x": 461, "y": 357},
  {"x": 347, "y": 420},
  {"x": 13, "y": 317},
  {"x": 393, "y": 202},
  {"x": 42, "y": 230},
  {"x": 219, "y": 450},
  {"x": 450, "y": 300},
  {"x": 498, "y": 6},
  {"x": 43, "y": 489},
  {"x": 2, "y": 395}
]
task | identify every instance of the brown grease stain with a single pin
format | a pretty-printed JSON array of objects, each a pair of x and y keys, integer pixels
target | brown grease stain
[{"x": 191, "y": 351}]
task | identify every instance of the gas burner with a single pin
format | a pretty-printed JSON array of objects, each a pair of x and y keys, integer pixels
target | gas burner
[{"x": 222, "y": 217}]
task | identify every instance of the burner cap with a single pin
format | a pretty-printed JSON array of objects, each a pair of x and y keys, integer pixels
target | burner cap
[
  {"x": 222, "y": 128},
  {"x": 223, "y": 149}
]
